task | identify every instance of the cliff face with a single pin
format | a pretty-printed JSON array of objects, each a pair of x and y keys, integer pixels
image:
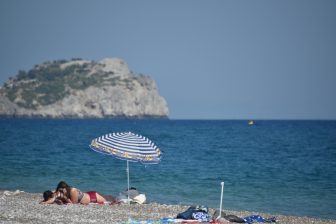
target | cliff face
[{"x": 80, "y": 88}]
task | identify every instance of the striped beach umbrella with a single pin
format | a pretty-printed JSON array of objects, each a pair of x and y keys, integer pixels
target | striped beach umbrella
[{"x": 127, "y": 146}]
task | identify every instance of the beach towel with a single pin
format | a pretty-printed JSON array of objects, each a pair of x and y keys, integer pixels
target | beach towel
[
  {"x": 100, "y": 203},
  {"x": 201, "y": 216},
  {"x": 258, "y": 218}
]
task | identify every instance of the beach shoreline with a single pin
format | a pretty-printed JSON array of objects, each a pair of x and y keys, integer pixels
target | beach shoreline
[{"x": 23, "y": 207}]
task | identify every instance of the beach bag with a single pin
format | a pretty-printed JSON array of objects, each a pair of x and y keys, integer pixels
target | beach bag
[
  {"x": 133, "y": 192},
  {"x": 187, "y": 214},
  {"x": 202, "y": 208},
  {"x": 199, "y": 212},
  {"x": 139, "y": 199},
  {"x": 134, "y": 196}
]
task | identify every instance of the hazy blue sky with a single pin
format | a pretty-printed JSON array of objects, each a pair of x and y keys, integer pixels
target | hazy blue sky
[{"x": 210, "y": 59}]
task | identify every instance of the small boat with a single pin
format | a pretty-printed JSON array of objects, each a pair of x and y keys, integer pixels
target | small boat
[{"x": 251, "y": 122}]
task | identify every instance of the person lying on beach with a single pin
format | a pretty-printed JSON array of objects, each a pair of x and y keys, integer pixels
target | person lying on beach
[
  {"x": 61, "y": 197},
  {"x": 51, "y": 197},
  {"x": 75, "y": 196}
]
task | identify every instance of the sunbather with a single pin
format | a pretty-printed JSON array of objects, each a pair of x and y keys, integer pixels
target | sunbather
[
  {"x": 66, "y": 194},
  {"x": 74, "y": 195},
  {"x": 54, "y": 197}
]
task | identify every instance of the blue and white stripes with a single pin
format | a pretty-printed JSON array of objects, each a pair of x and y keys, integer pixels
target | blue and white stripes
[{"x": 127, "y": 146}]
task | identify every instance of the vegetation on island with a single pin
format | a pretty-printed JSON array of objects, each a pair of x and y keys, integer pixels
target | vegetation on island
[{"x": 52, "y": 81}]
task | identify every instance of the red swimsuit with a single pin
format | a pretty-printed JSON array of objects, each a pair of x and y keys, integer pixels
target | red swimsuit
[{"x": 93, "y": 196}]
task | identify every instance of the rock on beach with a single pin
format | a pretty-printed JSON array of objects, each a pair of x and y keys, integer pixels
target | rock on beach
[{"x": 22, "y": 207}]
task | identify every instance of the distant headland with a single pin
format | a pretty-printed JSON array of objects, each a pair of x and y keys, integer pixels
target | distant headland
[{"x": 80, "y": 88}]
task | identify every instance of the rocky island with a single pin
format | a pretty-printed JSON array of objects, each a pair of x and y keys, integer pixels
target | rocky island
[{"x": 81, "y": 89}]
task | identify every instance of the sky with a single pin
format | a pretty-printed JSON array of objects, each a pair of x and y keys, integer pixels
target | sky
[{"x": 211, "y": 59}]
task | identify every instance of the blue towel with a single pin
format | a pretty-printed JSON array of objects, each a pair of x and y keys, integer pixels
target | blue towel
[{"x": 258, "y": 218}]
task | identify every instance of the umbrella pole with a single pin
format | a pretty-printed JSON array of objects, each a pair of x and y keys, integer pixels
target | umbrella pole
[
  {"x": 128, "y": 201},
  {"x": 221, "y": 200},
  {"x": 127, "y": 170}
]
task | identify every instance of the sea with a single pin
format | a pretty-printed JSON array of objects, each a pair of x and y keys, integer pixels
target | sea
[{"x": 274, "y": 166}]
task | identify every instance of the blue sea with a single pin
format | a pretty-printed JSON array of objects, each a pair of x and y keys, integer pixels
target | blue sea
[{"x": 280, "y": 167}]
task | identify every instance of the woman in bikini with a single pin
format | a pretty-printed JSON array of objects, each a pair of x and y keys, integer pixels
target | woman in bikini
[
  {"x": 65, "y": 194},
  {"x": 75, "y": 196}
]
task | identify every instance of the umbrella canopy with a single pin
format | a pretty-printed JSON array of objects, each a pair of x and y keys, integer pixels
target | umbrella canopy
[{"x": 127, "y": 146}]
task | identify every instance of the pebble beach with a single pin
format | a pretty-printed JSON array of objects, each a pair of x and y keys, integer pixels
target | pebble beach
[{"x": 22, "y": 207}]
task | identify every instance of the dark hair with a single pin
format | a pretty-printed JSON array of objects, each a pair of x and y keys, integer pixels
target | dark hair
[
  {"x": 62, "y": 184},
  {"x": 47, "y": 194}
]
